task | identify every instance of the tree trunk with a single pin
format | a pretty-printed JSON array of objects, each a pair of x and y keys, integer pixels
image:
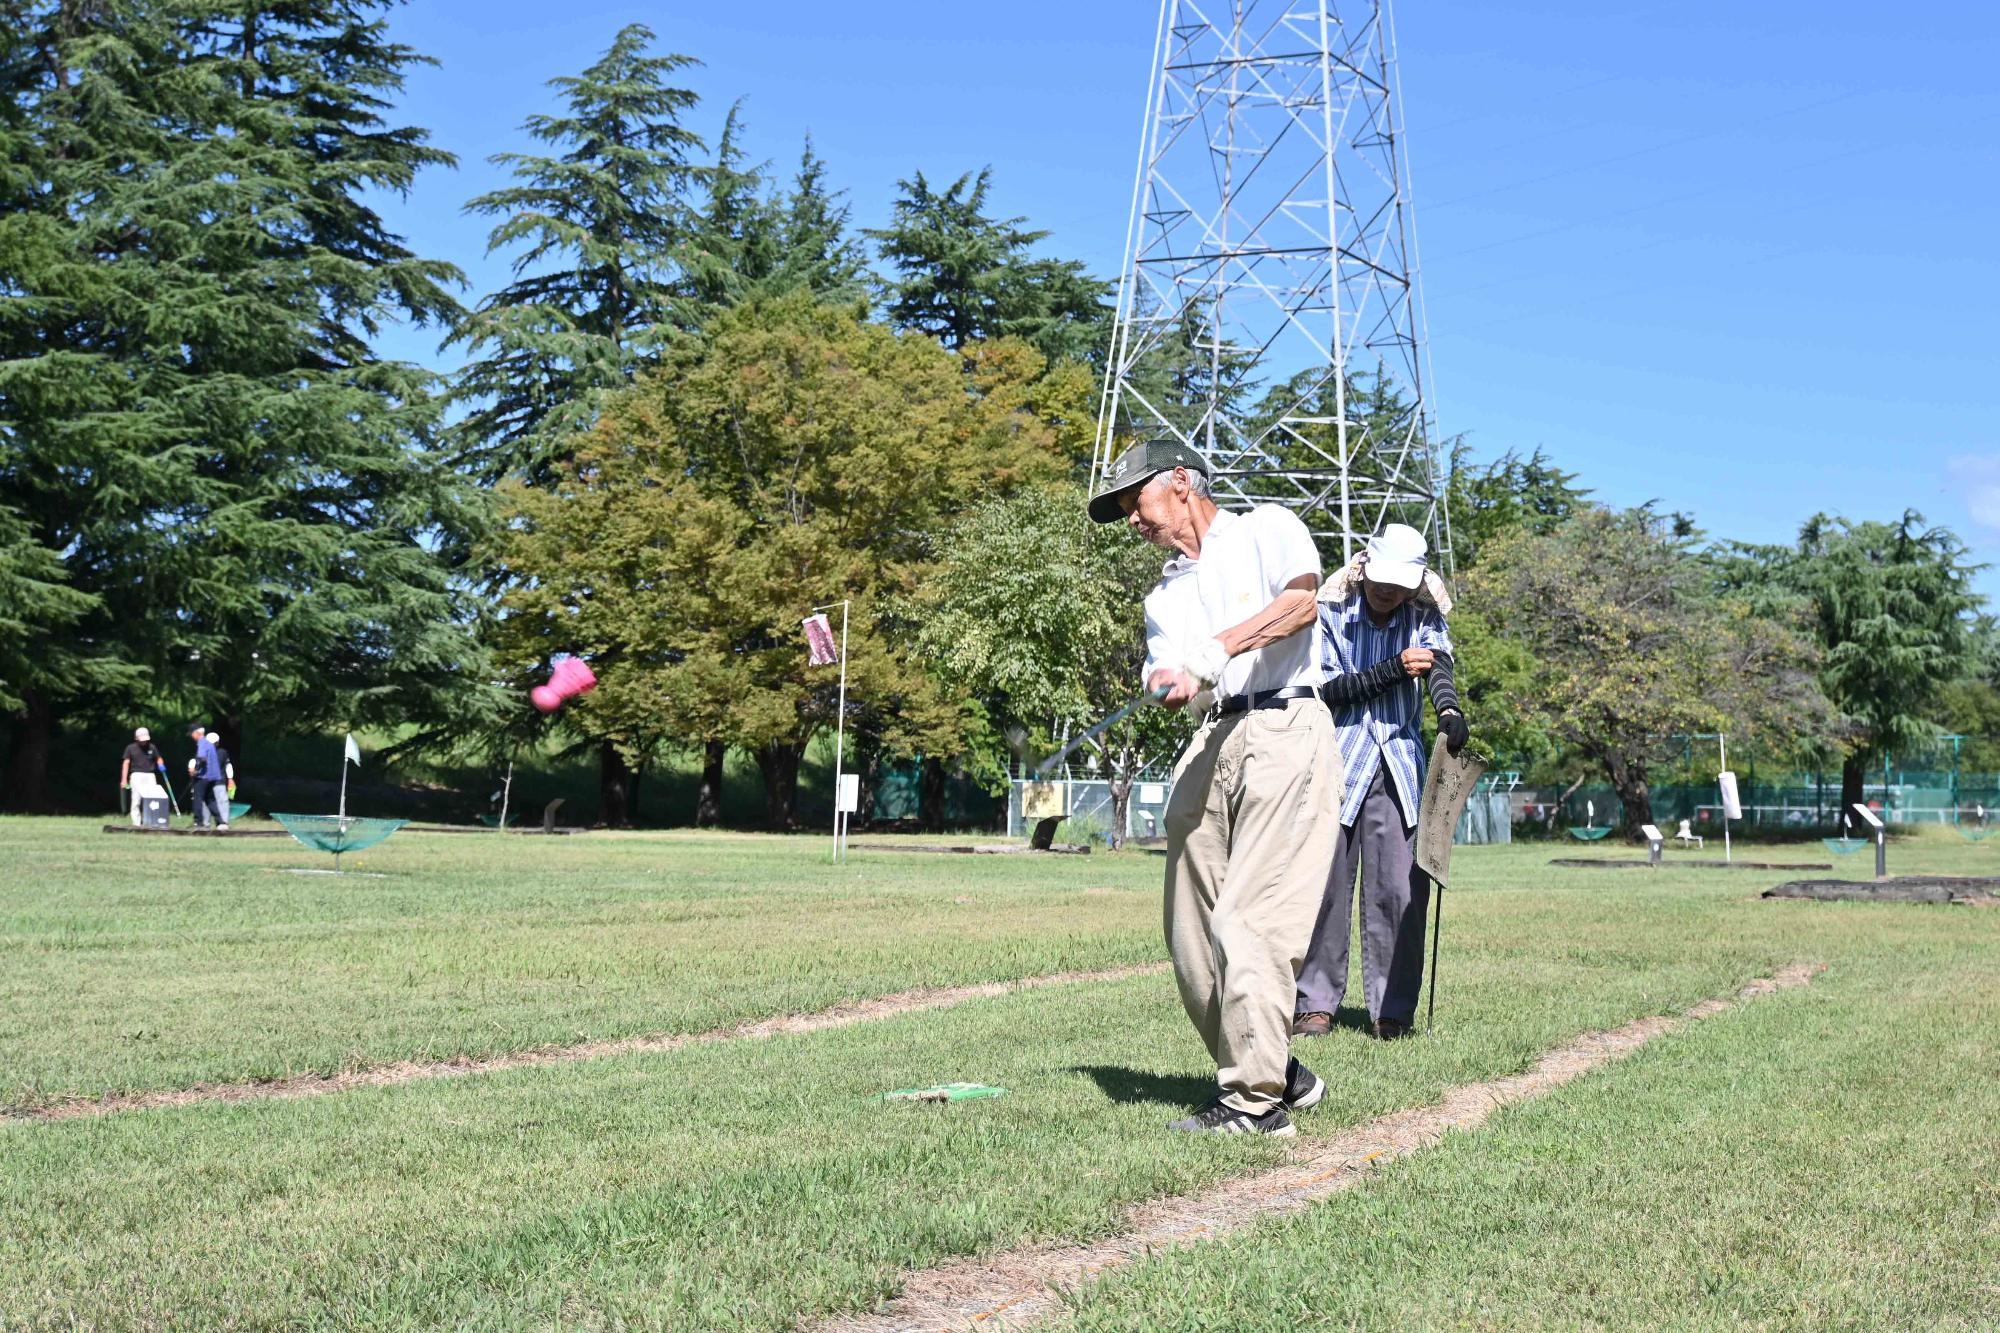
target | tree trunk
[
  {"x": 28, "y": 763},
  {"x": 930, "y": 795},
  {"x": 1852, "y": 770},
  {"x": 229, "y": 734},
  {"x": 1555, "y": 811},
  {"x": 614, "y": 787},
  {"x": 1634, "y": 792},
  {"x": 632, "y": 793},
  {"x": 779, "y": 765},
  {"x": 708, "y": 800},
  {"x": 1121, "y": 800}
]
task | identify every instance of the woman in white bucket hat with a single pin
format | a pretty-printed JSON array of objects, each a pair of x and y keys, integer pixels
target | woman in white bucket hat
[{"x": 1382, "y": 623}]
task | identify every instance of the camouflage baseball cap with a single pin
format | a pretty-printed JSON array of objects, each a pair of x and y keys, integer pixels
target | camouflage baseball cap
[{"x": 1137, "y": 466}]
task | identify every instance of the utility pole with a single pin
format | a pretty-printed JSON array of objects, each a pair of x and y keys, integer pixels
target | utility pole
[{"x": 1269, "y": 312}]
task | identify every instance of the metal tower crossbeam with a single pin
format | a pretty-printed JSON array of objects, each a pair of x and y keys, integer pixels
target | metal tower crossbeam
[{"x": 1269, "y": 312}]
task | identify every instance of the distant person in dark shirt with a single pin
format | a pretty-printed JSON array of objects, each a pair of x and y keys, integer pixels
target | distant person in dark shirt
[
  {"x": 141, "y": 772},
  {"x": 211, "y": 780}
]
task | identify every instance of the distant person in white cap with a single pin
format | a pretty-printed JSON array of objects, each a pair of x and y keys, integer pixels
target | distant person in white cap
[
  {"x": 1382, "y": 631},
  {"x": 141, "y": 772}
]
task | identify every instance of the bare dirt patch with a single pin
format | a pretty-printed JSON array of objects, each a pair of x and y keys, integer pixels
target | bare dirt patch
[
  {"x": 1017, "y": 1287},
  {"x": 314, "y": 1085}
]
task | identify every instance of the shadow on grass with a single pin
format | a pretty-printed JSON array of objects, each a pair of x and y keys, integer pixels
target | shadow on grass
[{"x": 1121, "y": 1083}]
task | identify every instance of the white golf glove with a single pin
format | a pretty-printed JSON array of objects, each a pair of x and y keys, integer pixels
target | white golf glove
[{"x": 1207, "y": 662}]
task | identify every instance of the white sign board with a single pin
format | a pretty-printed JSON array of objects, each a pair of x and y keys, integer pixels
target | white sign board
[
  {"x": 850, "y": 793},
  {"x": 1732, "y": 805},
  {"x": 1868, "y": 817},
  {"x": 1152, "y": 793},
  {"x": 1652, "y": 833}
]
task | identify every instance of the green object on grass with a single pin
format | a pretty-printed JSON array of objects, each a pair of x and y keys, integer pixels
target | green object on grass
[
  {"x": 1844, "y": 846},
  {"x": 1589, "y": 834},
  {"x": 944, "y": 1092},
  {"x": 238, "y": 809},
  {"x": 332, "y": 833}
]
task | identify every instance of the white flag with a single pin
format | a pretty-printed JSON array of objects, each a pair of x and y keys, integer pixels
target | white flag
[{"x": 353, "y": 750}]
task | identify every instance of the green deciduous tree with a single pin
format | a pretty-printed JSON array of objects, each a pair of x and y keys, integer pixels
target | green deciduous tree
[
  {"x": 962, "y": 276},
  {"x": 1892, "y": 608},
  {"x": 1039, "y": 614},
  {"x": 595, "y": 228},
  {"x": 790, "y": 455},
  {"x": 192, "y": 414},
  {"x": 1631, "y": 648}
]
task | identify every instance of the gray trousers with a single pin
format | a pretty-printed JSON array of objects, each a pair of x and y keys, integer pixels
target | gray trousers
[{"x": 1395, "y": 899}]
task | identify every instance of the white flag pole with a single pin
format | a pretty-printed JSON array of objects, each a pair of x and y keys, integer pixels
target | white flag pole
[{"x": 346, "y": 746}]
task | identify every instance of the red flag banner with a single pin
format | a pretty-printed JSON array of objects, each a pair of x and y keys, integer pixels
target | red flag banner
[{"x": 819, "y": 641}]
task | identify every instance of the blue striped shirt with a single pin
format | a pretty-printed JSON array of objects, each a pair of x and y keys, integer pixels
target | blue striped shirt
[{"x": 1383, "y": 728}]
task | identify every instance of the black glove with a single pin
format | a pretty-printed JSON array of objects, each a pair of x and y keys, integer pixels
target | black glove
[{"x": 1451, "y": 724}]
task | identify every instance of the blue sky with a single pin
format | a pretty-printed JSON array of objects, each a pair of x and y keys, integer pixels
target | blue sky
[{"x": 1738, "y": 258}]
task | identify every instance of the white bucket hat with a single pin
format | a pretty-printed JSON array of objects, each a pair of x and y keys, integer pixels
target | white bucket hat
[{"x": 1396, "y": 556}]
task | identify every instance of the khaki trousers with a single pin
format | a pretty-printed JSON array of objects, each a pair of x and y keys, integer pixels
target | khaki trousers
[{"x": 1251, "y": 829}]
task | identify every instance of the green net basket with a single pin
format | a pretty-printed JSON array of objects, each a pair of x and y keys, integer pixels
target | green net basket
[
  {"x": 332, "y": 833},
  {"x": 1590, "y": 834}
]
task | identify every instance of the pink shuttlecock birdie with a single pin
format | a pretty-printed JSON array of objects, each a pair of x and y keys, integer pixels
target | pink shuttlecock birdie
[{"x": 571, "y": 677}]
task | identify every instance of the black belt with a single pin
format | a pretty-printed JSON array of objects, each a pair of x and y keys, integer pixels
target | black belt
[{"x": 1243, "y": 703}]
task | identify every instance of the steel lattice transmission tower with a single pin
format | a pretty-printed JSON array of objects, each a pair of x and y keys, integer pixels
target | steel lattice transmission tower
[{"x": 1269, "y": 312}]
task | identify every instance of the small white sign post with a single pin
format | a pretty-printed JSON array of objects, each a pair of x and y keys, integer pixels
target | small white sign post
[
  {"x": 1654, "y": 840},
  {"x": 849, "y": 800},
  {"x": 1874, "y": 822}
]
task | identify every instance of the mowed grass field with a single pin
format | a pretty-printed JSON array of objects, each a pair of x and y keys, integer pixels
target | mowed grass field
[{"x": 1822, "y": 1157}]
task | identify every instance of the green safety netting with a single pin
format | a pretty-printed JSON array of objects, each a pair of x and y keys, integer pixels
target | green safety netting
[
  {"x": 333, "y": 833},
  {"x": 238, "y": 809},
  {"x": 1845, "y": 846},
  {"x": 1589, "y": 834}
]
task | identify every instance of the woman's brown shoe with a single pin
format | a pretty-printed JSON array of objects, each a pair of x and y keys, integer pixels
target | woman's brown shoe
[{"x": 1312, "y": 1025}]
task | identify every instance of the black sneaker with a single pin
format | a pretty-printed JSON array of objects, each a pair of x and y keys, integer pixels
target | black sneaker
[
  {"x": 1303, "y": 1088},
  {"x": 1218, "y": 1117}
]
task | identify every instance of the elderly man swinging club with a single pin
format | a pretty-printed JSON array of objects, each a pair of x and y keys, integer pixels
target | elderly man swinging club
[
  {"x": 1232, "y": 628},
  {"x": 1382, "y": 628}
]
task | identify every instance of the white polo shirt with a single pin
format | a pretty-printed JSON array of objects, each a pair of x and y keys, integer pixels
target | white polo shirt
[{"x": 1246, "y": 561}]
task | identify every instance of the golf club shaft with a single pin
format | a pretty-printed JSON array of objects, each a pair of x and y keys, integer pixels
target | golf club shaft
[{"x": 1138, "y": 701}]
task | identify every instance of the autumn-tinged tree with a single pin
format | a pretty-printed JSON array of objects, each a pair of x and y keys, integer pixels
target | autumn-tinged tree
[
  {"x": 793, "y": 454},
  {"x": 1631, "y": 648}
]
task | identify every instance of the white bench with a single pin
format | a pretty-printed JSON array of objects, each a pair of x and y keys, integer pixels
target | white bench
[{"x": 1687, "y": 835}]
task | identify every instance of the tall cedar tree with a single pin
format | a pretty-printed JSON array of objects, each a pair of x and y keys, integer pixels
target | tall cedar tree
[
  {"x": 748, "y": 242},
  {"x": 1893, "y": 609},
  {"x": 962, "y": 276},
  {"x": 192, "y": 412},
  {"x": 791, "y": 454},
  {"x": 597, "y": 229}
]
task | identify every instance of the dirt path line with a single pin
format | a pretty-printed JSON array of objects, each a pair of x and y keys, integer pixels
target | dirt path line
[
  {"x": 845, "y": 1014},
  {"x": 1017, "y": 1287}
]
